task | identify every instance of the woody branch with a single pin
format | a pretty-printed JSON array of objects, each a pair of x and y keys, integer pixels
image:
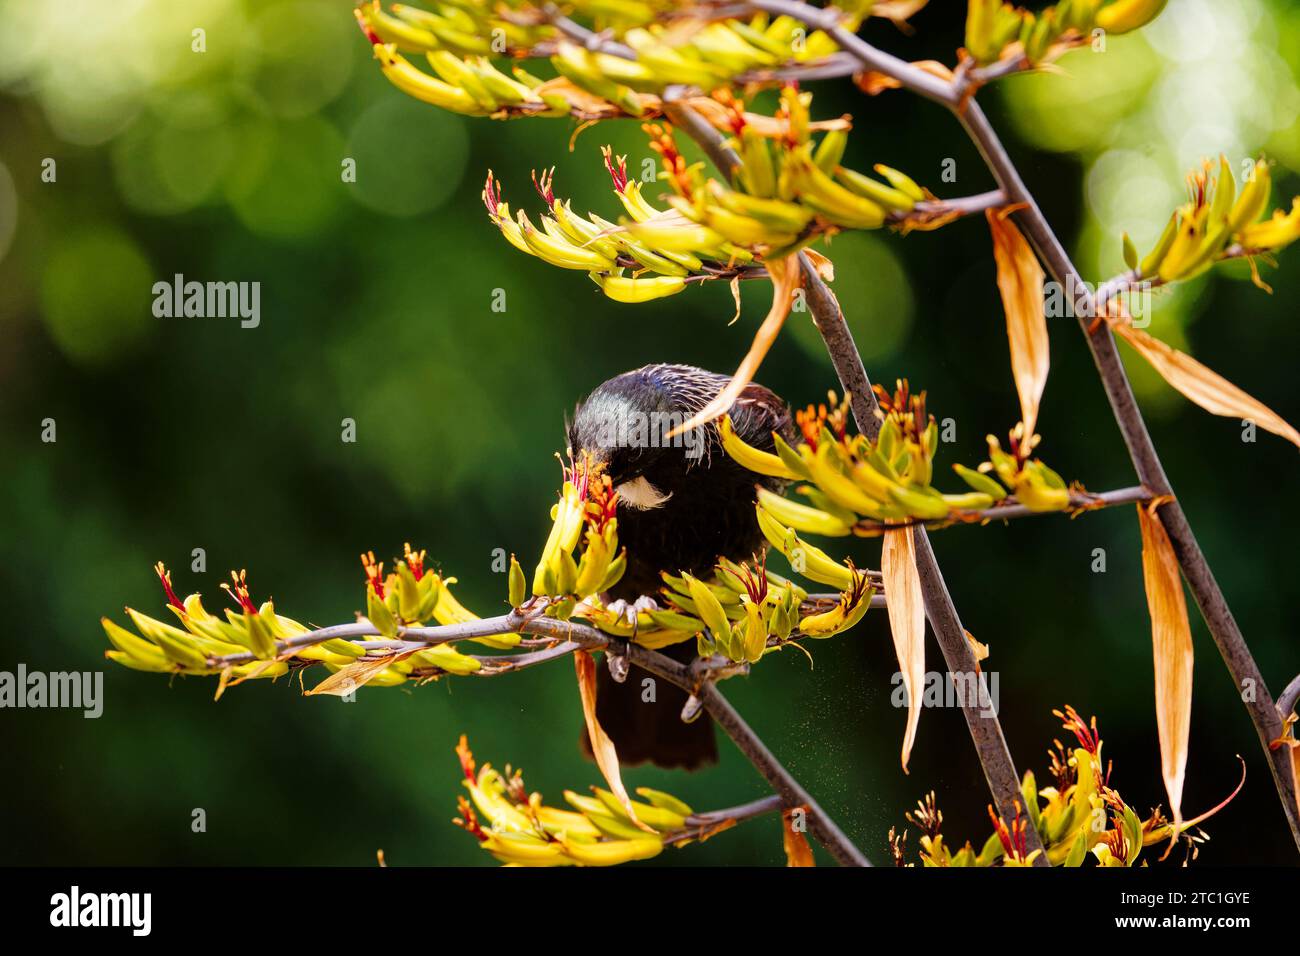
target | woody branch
[
  {"x": 958, "y": 96},
  {"x": 697, "y": 679},
  {"x": 985, "y": 729}
]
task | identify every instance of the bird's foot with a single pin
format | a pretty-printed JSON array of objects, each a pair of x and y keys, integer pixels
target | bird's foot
[{"x": 630, "y": 611}]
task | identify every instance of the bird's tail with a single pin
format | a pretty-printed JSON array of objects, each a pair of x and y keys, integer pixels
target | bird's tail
[{"x": 642, "y": 716}]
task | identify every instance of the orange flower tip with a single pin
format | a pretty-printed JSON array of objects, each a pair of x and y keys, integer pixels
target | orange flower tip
[
  {"x": 466, "y": 757},
  {"x": 364, "y": 24},
  {"x": 374, "y": 573},
  {"x": 239, "y": 591},
  {"x": 735, "y": 109},
  {"x": 415, "y": 561}
]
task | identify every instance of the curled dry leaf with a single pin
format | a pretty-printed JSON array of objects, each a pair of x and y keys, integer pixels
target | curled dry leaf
[
  {"x": 906, "y": 622},
  {"x": 797, "y": 850},
  {"x": 602, "y": 748},
  {"x": 770, "y": 127},
  {"x": 1020, "y": 281},
  {"x": 897, "y": 10},
  {"x": 1295, "y": 775},
  {"x": 1206, "y": 388},
  {"x": 227, "y": 680},
  {"x": 1171, "y": 640},
  {"x": 785, "y": 279},
  {"x": 821, "y": 264},
  {"x": 873, "y": 82},
  {"x": 585, "y": 102},
  {"x": 357, "y": 674}
]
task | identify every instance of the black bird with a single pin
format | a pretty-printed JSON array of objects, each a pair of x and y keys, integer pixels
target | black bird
[{"x": 682, "y": 503}]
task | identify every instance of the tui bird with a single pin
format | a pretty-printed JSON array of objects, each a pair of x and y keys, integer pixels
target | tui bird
[{"x": 682, "y": 503}]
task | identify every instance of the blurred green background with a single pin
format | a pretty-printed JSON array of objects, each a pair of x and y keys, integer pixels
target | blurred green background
[{"x": 175, "y": 434}]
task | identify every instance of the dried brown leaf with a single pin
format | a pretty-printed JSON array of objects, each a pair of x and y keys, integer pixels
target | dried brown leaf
[
  {"x": 906, "y": 609},
  {"x": 576, "y": 96},
  {"x": 821, "y": 264},
  {"x": 797, "y": 850},
  {"x": 897, "y": 10},
  {"x": 357, "y": 674},
  {"x": 771, "y": 127},
  {"x": 602, "y": 748},
  {"x": 1020, "y": 281},
  {"x": 1171, "y": 640},
  {"x": 873, "y": 82},
  {"x": 785, "y": 279},
  {"x": 1295, "y": 775}
]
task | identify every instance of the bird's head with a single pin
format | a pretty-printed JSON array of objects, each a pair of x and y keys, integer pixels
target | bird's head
[{"x": 625, "y": 425}]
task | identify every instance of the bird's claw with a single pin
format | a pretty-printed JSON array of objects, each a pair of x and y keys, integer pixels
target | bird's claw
[{"x": 630, "y": 611}]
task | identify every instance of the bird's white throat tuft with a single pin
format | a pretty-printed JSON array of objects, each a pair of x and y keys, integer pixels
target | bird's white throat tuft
[{"x": 641, "y": 495}]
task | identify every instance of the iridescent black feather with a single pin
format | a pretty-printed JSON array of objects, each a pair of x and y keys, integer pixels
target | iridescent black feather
[{"x": 697, "y": 504}]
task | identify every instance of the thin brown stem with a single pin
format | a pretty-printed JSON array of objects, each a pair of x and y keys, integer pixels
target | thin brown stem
[
  {"x": 1209, "y": 597},
  {"x": 700, "y": 825},
  {"x": 1080, "y": 503},
  {"x": 959, "y": 98},
  {"x": 984, "y": 726},
  {"x": 748, "y": 742}
]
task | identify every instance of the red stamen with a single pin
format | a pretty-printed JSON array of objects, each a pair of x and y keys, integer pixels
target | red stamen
[
  {"x": 466, "y": 757},
  {"x": 415, "y": 561},
  {"x": 239, "y": 592},
  {"x": 543, "y": 185},
  {"x": 165, "y": 577},
  {"x": 1086, "y": 733},
  {"x": 619, "y": 175},
  {"x": 374, "y": 573},
  {"x": 365, "y": 28}
]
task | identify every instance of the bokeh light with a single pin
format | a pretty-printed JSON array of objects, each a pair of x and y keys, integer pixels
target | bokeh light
[{"x": 96, "y": 294}]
